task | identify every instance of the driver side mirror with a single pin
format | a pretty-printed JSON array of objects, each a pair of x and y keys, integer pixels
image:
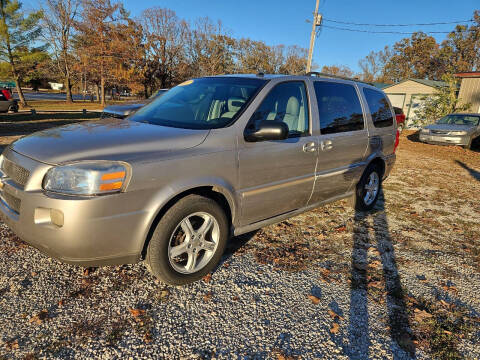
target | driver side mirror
[{"x": 266, "y": 130}]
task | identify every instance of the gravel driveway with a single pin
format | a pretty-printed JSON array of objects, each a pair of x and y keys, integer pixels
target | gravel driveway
[{"x": 401, "y": 282}]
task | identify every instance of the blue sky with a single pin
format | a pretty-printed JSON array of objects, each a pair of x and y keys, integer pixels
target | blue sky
[{"x": 283, "y": 21}]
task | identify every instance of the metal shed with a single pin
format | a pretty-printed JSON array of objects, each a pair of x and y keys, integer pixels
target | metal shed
[{"x": 470, "y": 89}]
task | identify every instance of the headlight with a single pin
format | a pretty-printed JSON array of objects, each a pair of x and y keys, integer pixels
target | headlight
[
  {"x": 458, "y": 133},
  {"x": 87, "y": 178},
  {"x": 425, "y": 131}
]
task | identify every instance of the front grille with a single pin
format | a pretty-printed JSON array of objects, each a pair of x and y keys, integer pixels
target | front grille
[
  {"x": 12, "y": 201},
  {"x": 15, "y": 172},
  {"x": 440, "y": 132}
]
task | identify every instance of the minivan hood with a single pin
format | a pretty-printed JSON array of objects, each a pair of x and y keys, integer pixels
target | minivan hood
[
  {"x": 107, "y": 139},
  {"x": 449, "y": 127}
]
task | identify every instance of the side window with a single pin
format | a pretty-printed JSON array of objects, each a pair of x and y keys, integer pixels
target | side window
[
  {"x": 338, "y": 107},
  {"x": 379, "y": 108},
  {"x": 286, "y": 102}
]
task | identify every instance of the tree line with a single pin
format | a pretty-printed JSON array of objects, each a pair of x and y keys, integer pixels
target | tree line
[
  {"x": 97, "y": 44},
  {"x": 420, "y": 56}
]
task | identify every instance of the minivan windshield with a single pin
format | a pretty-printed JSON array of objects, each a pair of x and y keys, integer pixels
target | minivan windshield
[
  {"x": 460, "y": 119},
  {"x": 205, "y": 103}
]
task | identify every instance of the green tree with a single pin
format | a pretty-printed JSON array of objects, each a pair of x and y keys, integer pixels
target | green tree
[
  {"x": 412, "y": 57},
  {"x": 444, "y": 101},
  {"x": 17, "y": 31}
]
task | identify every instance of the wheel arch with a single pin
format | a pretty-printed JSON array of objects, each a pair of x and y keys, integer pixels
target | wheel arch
[{"x": 217, "y": 192}]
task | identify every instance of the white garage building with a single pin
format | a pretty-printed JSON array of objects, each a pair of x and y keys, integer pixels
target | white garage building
[{"x": 408, "y": 94}]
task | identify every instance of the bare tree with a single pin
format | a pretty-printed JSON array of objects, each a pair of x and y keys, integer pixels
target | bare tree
[
  {"x": 210, "y": 48},
  {"x": 58, "y": 20},
  {"x": 97, "y": 39},
  {"x": 339, "y": 70},
  {"x": 165, "y": 37}
]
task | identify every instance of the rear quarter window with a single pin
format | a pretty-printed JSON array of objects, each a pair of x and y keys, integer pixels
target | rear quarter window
[{"x": 379, "y": 108}]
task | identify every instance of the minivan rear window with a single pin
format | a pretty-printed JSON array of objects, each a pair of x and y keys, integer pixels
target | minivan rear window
[
  {"x": 339, "y": 107},
  {"x": 205, "y": 103},
  {"x": 379, "y": 108}
]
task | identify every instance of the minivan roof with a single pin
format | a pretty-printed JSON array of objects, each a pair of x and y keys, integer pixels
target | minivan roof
[{"x": 276, "y": 76}]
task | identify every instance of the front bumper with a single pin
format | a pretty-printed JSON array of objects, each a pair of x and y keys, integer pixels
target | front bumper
[
  {"x": 101, "y": 230},
  {"x": 445, "y": 139}
]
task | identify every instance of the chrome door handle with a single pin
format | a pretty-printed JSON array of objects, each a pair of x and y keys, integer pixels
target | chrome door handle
[
  {"x": 309, "y": 147},
  {"x": 326, "y": 145}
]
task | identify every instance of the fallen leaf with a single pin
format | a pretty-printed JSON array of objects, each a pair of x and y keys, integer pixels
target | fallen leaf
[
  {"x": 39, "y": 318},
  {"x": 374, "y": 264},
  {"x": 447, "y": 332},
  {"x": 314, "y": 299},
  {"x": 136, "y": 312},
  {"x": 375, "y": 284},
  {"x": 235, "y": 298},
  {"x": 147, "y": 337},
  {"x": 207, "y": 296},
  {"x": 226, "y": 265},
  {"x": 421, "y": 315},
  {"x": 334, "y": 315},
  {"x": 341, "y": 229},
  {"x": 444, "y": 303},
  {"x": 12, "y": 345},
  {"x": 164, "y": 294},
  {"x": 61, "y": 302},
  {"x": 207, "y": 277},
  {"x": 335, "y": 327}
]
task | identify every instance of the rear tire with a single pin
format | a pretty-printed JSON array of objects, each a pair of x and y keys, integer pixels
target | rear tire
[
  {"x": 368, "y": 188},
  {"x": 13, "y": 108},
  {"x": 188, "y": 241},
  {"x": 469, "y": 145}
]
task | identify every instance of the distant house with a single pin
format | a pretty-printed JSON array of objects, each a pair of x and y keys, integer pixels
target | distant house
[
  {"x": 470, "y": 89},
  {"x": 408, "y": 94},
  {"x": 56, "y": 86}
]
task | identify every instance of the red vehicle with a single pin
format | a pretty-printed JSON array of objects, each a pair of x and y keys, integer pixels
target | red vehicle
[{"x": 400, "y": 116}]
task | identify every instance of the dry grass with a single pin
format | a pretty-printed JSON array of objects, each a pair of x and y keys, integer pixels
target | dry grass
[{"x": 46, "y": 105}]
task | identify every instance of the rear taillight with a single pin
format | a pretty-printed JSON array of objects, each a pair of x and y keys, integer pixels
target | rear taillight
[{"x": 397, "y": 140}]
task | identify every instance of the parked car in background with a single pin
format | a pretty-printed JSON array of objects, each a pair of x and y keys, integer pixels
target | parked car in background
[
  {"x": 400, "y": 117},
  {"x": 123, "y": 110},
  {"x": 214, "y": 156},
  {"x": 7, "y": 102},
  {"x": 453, "y": 129}
]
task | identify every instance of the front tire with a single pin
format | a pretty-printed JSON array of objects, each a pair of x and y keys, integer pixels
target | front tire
[
  {"x": 188, "y": 241},
  {"x": 368, "y": 188}
]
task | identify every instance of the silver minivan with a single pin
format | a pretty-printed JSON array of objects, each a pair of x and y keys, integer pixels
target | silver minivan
[{"x": 214, "y": 157}]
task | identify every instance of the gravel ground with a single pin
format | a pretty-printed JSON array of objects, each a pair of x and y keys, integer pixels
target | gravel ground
[{"x": 401, "y": 282}]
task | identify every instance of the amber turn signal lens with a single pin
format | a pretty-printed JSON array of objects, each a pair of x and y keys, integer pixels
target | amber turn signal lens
[
  {"x": 113, "y": 176},
  {"x": 111, "y": 186}
]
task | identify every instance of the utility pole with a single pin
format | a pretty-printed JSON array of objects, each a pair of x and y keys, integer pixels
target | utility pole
[{"x": 317, "y": 21}]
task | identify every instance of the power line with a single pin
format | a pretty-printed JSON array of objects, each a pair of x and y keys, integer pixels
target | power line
[
  {"x": 384, "y": 32},
  {"x": 393, "y": 25}
]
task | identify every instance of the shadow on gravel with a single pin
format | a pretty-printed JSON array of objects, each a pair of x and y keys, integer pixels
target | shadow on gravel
[
  {"x": 237, "y": 246},
  {"x": 376, "y": 279},
  {"x": 474, "y": 173}
]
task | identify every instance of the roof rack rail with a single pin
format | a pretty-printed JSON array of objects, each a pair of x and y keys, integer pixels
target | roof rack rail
[{"x": 316, "y": 73}]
